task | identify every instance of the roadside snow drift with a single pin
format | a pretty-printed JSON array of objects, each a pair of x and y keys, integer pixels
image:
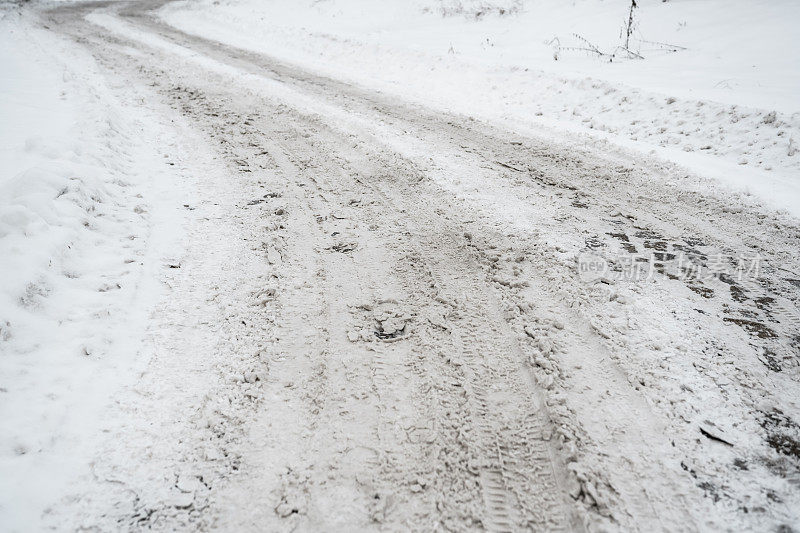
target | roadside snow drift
[{"x": 84, "y": 216}]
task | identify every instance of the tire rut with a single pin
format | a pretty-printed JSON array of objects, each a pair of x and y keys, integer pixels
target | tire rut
[{"x": 479, "y": 361}]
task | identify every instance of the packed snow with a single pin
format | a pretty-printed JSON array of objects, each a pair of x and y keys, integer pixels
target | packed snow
[{"x": 430, "y": 264}]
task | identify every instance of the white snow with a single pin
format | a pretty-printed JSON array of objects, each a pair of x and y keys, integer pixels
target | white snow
[
  {"x": 726, "y": 107},
  {"x": 88, "y": 209},
  {"x": 170, "y": 305}
]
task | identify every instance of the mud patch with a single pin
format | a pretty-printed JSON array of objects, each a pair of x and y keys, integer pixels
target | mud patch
[
  {"x": 764, "y": 303},
  {"x": 693, "y": 241},
  {"x": 344, "y": 247},
  {"x": 625, "y": 242},
  {"x": 752, "y": 327},
  {"x": 594, "y": 242},
  {"x": 661, "y": 246},
  {"x": 770, "y": 360},
  {"x": 783, "y": 434},
  {"x": 648, "y": 235},
  {"x": 663, "y": 256},
  {"x": 737, "y": 294},
  {"x": 691, "y": 252},
  {"x": 705, "y": 292}
]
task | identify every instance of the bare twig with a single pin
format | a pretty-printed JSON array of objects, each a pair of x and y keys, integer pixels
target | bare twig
[
  {"x": 629, "y": 29},
  {"x": 665, "y": 46}
]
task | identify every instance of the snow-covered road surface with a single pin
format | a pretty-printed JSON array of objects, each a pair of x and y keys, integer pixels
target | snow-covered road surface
[{"x": 387, "y": 317}]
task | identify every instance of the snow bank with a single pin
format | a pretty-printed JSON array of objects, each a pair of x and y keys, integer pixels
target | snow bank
[
  {"x": 81, "y": 189},
  {"x": 726, "y": 106}
]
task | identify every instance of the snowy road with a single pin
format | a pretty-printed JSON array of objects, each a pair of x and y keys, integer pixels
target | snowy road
[{"x": 380, "y": 320}]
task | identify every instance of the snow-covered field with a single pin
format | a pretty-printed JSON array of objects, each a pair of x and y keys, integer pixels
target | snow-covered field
[{"x": 409, "y": 265}]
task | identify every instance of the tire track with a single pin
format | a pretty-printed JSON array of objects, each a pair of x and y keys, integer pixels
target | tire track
[{"x": 460, "y": 434}]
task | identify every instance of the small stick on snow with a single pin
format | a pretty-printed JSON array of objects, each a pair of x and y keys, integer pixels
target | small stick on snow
[{"x": 714, "y": 437}]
